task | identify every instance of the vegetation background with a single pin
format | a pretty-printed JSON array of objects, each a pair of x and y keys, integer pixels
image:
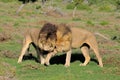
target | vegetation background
[{"x": 101, "y": 16}]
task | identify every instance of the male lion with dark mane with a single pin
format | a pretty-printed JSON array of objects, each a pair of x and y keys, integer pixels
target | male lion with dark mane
[
  {"x": 33, "y": 35},
  {"x": 80, "y": 38},
  {"x": 44, "y": 39}
]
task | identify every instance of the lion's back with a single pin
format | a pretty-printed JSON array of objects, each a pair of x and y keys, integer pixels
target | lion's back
[
  {"x": 32, "y": 34},
  {"x": 79, "y": 36}
]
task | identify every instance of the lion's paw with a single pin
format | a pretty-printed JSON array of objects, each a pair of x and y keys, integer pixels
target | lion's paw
[
  {"x": 82, "y": 64},
  {"x": 43, "y": 61},
  {"x": 47, "y": 63},
  {"x": 66, "y": 65},
  {"x": 100, "y": 65},
  {"x": 19, "y": 61}
]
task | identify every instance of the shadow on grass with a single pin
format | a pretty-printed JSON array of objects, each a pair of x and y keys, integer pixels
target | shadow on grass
[
  {"x": 60, "y": 59},
  {"x": 74, "y": 57},
  {"x": 30, "y": 57},
  {"x": 26, "y": 1}
]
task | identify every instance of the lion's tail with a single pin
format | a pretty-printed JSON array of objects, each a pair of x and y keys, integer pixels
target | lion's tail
[{"x": 101, "y": 35}]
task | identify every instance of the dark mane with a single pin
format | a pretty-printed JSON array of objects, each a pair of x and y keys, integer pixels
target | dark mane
[{"x": 50, "y": 30}]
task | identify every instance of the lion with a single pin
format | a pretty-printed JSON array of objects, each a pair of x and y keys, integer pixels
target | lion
[
  {"x": 54, "y": 33},
  {"x": 33, "y": 35},
  {"x": 82, "y": 39}
]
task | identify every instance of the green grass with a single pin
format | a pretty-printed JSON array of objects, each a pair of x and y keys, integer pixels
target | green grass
[
  {"x": 76, "y": 19},
  {"x": 12, "y": 46},
  {"x": 30, "y": 70},
  {"x": 90, "y": 23},
  {"x": 107, "y": 7},
  {"x": 103, "y": 23},
  {"x": 29, "y": 17}
]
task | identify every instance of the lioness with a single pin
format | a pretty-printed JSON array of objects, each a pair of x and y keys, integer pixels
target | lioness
[{"x": 82, "y": 39}]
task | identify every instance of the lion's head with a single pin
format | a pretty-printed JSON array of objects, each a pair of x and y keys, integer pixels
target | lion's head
[
  {"x": 64, "y": 38},
  {"x": 64, "y": 44},
  {"x": 57, "y": 37},
  {"x": 47, "y": 37}
]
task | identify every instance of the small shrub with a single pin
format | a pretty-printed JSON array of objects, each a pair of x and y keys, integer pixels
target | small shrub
[
  {"x": 118, "y": 4},
  {"x": 16, "y": 24},
  {"x": 91, "y": 2},
  {"x": 38, "y": 7},
  {"x": 70, "y": 6},
  {"x": 107, "y": 7},
  {"x": 90, "y": 23},
  {"x": 79, "y": 7},
  {"x": 76, "y": 19},
  {"x": 83, "y": 7},
  {"x": 103, "y": 23}
]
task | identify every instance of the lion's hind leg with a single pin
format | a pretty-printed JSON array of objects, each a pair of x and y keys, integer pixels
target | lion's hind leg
[
  {"x": 24, "y": 49},
  {"x": 95, "y": 49},
  {"x": 85, "y": 51},
  {"x": 93, "y": 44}
]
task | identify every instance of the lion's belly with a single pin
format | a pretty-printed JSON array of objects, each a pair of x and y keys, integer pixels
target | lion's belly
[
  {"x": 79, "y": 37},
  {"x": 76, "y": 43}
]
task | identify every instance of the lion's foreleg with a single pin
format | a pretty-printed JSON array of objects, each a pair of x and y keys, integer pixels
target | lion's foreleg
[
  {"x": 48, "y": 57},
  {"x": 68, "y": 58},
  {"x": 40, "y": 57},
  {"x": 25, "y": 47}
]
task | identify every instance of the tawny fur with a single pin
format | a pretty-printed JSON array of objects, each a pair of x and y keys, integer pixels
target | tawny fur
[
  {"x": 79, "y": 38},
  {"x": 62, "y": 32},
  {"x": 31, "y": 37},
  {"x": 82, "y": 39},
  {"x": 44, "y": 39}
]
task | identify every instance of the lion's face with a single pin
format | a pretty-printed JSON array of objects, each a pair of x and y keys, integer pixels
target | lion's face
[
  {"x": 46, "y": 44},
  {"x": 60, "y": 46},
  {"x": 63, "y": 45}
]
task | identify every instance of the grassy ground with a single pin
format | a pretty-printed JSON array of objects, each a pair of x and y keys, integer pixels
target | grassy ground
[{"x": 12, "y": 27}]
